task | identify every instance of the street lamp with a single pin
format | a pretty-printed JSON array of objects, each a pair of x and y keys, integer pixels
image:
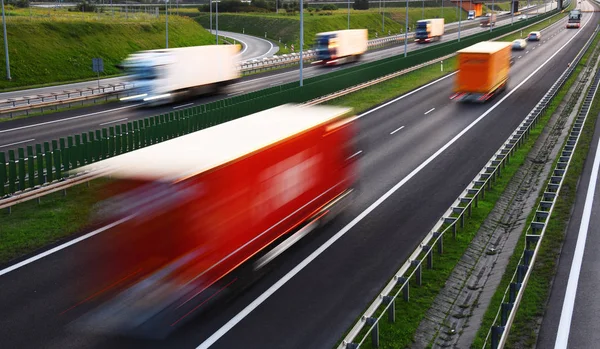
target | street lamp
[
  {"x": 348, "y": 14},
  {"x": 5, "y": 43},
  {"x": 459, "y": 19},
  {"x": 210, "y": 5},
  {"x": 491, "y": 16},
  {"x": 217, "y": 23},
  {"x": 406, "y": 31},
  {"x": 301, "y": 40},
  {"x": 167, "y": 21}
]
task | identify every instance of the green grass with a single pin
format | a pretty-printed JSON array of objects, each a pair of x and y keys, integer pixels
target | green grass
[
  {"x": 60, "y": 49},
  {"x": 286, "y": 27},
  {"x": 31, "y": 226},
  {"x": 537, "y": 292}
]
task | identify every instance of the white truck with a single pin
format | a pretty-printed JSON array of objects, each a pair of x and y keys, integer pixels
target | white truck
[
  {"x": 162, "y": 76},
  {"x": 341, "y": 46},
  {"x": 471, "y": 15},
  {"x": 429, "y": 30}
]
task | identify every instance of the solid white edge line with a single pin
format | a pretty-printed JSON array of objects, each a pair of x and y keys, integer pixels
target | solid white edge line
[
  {"x": 276, "y": 286},
  {"x": 112, "y": 122},
  {"x": 63, "y": 246},
  {"x": 183, "y": 105},
  {"x": 15, "y": 143},
  {"x": 67, "y": 119},
  {"x": 396, "y": 130},
  {"x": 564, "y": 327}
]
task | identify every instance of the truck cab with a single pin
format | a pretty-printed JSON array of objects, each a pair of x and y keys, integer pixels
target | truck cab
[{"x": 471, "y": 15}]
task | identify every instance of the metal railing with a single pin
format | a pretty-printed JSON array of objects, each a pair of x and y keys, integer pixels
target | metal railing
[{"x": 498, "y": 332}]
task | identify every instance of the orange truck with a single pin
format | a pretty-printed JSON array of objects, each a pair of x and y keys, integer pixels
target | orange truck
[
  {"x": 483, "y": 71},
  {"x": 205, "y": 210}
]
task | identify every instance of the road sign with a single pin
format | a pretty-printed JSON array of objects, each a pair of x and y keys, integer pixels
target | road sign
[{"x": 98, "y": 65}]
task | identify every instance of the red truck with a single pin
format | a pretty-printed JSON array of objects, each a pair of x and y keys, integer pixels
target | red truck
[{"x": 203, "y": 206}]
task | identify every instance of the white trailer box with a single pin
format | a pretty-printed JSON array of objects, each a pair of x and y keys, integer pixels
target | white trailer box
[
  {"x": 428, "y": 30},
  {"x": 159, "y": 75},
  {"x": 342, "y": 45}
]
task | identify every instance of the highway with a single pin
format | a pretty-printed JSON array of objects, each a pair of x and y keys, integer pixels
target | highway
[
  {"x": 28, "y": 131},
  {"x": 572, "y": 317},
  {"x": 420, "y": 151}
]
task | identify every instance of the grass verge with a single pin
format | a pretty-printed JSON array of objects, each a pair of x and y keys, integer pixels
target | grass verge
[
  {"x": 538, "y": 288},
  {"x": 32, "y": 226}
]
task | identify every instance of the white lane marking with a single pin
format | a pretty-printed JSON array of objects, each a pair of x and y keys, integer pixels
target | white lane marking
[
  {"x": 396, "y": 130},
  {"x": 287, "y": 277},
  {"x": 533, "y": 48},
  {"x": 527, "y": 52},
  {"x": 429, "y": 111},
  {"x": 63, "y": 246},
  {"x": 67, "y": 119},
  {"x": 183, "y": 106},
  {"x": 15, "y": 143},
  {"x": 566, "y": 315},
  {"x": 405, "y": 95},
  {"x": 520, "y": 56},
  {"x": 112, "y": 122}
]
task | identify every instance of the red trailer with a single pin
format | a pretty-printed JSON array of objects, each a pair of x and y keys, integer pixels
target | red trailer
[{"x": 204, "y": 204}]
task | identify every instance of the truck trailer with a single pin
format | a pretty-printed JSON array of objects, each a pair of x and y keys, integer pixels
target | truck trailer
[
  {"x": 161, "y": 76},
  {"x": 483, "y": 71},
  {"x": 429, "y": 30},
  {"x": 342, "y": 46},
  {"x": 488, "y": 20},
  {"x": 201, "y": 212}
]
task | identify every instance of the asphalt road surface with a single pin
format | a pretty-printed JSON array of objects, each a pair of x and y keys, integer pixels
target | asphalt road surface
[{"x": 420, "y": 152}]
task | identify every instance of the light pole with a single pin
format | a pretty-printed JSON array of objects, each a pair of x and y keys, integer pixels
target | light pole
[
  {"x": 491, "y": 16},
  {"x": 210, "y": 5},
  {"x": 459, "y": 19},
  {"x": 348, "y": 14},
  {"x": 512, "y": 12},
  {"x": 406, "y": 31},
  {"x": 301, "y": 40},
  {"x": 383, "y": 20},
  {"x": 167, "y": 21},
  {"x": 217, "y": 21},
  {"x": 5, "y": 43},
  {"x": 423, "y": 10}
]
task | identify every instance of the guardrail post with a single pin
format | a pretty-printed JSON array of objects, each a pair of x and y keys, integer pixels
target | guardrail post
[
  {"x": 496, "y": 335},
  {"x": 440, "y": 241},
  {"x": 521, "y": 271},
  {"x": 21, "y": 168},
  {"x": 528, "y": 256},
  {"x": 405, "y": 284},
  {"x": 40, "y": 164},
  {"x": 3, "y": 173},
  {"x": 427, "y": 250},
  {"x": 391, "y": 309},
  {"x": 12, "y": 172},
  {"x": 505, "y": 312},
  {"x": 371, "y": 321},
  {"x": 417, "y": 264},
  {"x": 470, "y": 208},
  {"x": 462, "y": 220},
  {"x": 513, "y": 290},
  {"x": 30, "y": 167}
]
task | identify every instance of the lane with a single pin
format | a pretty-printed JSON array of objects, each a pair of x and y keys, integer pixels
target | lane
[
  {"x": 54, "y": 126},
  {"x": 254, "y": 47},
  {"x": 332, "y": 290}
]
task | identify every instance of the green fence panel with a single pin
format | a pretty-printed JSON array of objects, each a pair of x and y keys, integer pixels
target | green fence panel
[
  {"x": 79, "y": 151},
  {"x": 30, "y": 167},
  {"x": 98, "y": 145},
  {"x": 48, "y": 159},
  {"x": 57, "y": 165},
  {"x": 92, "y": 147},
  {"x": 118, "y": 147},
  {"x": 84, "y": 149},
  {"x": 12, "y": 174},
  {"x": 3, "y": 173},
  {"x": 21, "y": 168},
  {"x": 40, "y": 164}
]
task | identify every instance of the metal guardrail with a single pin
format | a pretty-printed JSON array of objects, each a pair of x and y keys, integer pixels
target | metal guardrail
[
  {"x": 423, "y": 254},
  {"x": 498, "y": 333}
]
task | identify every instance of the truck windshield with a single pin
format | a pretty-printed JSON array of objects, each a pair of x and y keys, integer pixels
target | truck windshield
[
  {"x": 143, "y": 72},
  {"x": 322, "y": 43}
]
